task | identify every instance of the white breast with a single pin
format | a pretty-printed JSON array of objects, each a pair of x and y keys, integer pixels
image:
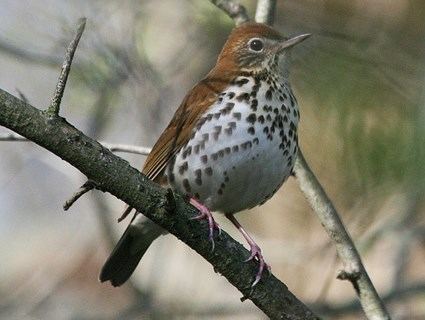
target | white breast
[{"x": 242, "y": 150}]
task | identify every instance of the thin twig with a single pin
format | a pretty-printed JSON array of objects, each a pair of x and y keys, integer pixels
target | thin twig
[
  {"x": 127, "y": 148},
  {"x": 54, "y": 107},
  {"x": 233, "y": 9},
  {"x": 354, "y": 270},
  {"x": 86, "y": 187},
  {"x": 265, "y": 11}
]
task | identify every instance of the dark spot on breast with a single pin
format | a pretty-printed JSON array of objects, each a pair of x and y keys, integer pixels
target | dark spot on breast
[
  {"x": 226, "y": 110},
  {"x": 187, "y": 152},
  {"x": 205, "y": 137},
  {"x": 186, "y": 185},
  {"x": 237, "y": 115},
  {"x": 209, "y": 116},
  {"x": 256, "y": 141},
  {"x": 214, "y": 156},
  {"x": 235, "y": 148},
  {"x": 266, "y": 130},
  {"x": 183, "y": 167},
  {"x": 204, "y": 158},
  {"x": 198, "y": 179},
  {"x": 227, "y": 150},
  {"x": 246, "y": 145},
  {"x": 241, "y": 82},
  {"x": 251, "y": 130},
  {"x": 208, "y": 171},
  {"x": 261, "y": 119},
  {"x": 228, "y": 131},
  {"x": 254, "y": 104},
  {"x": 243, "y": 96},
  {"x": 217, "y": 115},
  {"x": 251, "y": 118},
  {"x": 269, "y": 94},
  {"x": 221, "y": 153},
  {"x": 220, "y": 191}
]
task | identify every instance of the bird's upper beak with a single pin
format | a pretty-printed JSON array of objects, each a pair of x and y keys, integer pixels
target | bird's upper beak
[{"x": 288, "y": 43}]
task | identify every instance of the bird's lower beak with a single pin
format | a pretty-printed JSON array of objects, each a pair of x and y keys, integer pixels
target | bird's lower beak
[{"x": 285, "y": 44}]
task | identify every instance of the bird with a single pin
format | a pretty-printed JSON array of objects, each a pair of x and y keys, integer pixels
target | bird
[{"x": 230, "y": 145}]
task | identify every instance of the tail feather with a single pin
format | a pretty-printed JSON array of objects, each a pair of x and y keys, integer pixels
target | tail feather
[{"x": 129, "y": 250}]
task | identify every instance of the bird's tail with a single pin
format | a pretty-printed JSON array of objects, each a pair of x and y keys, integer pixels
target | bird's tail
[{"x": 129, "y": 250}]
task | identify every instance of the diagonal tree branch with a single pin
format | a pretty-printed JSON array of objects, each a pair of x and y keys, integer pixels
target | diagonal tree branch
[
  {"x": 354, "y": 271},
  {"x": 114, "y": 175}
]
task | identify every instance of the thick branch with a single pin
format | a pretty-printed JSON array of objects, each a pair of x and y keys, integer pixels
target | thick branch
[
  {"x": 354, "y": 270},
  {"x": 114, "y": 175}
]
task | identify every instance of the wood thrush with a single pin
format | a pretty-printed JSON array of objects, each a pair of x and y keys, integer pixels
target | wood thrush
[{"x": 230, "y": 145}]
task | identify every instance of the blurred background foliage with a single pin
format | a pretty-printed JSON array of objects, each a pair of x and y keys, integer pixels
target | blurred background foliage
[{"x": 360, "y": 82}]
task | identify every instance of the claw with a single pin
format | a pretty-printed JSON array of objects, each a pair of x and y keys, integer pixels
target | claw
[
  {"x": 255, "y": 250},
  {"x": 205, "y": 213},
  {"x": 256, "y": 253}
]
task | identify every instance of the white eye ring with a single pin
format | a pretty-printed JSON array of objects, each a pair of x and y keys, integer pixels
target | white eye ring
[{"x": 256, "y": 45}]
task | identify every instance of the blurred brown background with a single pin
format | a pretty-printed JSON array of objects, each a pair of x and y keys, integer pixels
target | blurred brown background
[{"x": 360, "y": 82}]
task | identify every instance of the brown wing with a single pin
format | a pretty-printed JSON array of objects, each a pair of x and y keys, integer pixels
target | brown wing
[{"x": 179, "y": 130}]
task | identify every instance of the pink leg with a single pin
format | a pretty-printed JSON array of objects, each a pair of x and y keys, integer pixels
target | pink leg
[
  {"x": 255, "y": 249},
  {"x": 205, "y": 213}
]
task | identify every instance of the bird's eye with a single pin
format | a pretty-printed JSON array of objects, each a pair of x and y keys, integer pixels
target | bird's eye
[{"x": 256, "y": 45}]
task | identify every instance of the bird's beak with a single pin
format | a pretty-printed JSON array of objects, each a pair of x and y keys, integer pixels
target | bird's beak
[{"x": 285, "y": 44}]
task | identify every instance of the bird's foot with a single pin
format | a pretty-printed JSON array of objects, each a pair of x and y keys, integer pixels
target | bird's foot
[
  {"x": 205, "y": 213},
  {"x": 257, "y": 255}
]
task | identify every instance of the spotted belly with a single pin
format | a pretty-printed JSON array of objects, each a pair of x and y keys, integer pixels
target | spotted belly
[{"x": 239, "y": 155}]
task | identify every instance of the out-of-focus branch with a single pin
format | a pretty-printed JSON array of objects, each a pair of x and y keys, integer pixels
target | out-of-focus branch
[
  {"x": 354, "y": 270},
  {"x": 265, "y": 11},
  {"x": 127, "y": 148},
  {"x": 394, "y": 295},
  {"x": 53, "y": 109},
  {"x": 236, "y": 11}
]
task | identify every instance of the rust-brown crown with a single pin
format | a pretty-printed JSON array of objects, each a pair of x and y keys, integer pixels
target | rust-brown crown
[{"x": 253, "y": 46}]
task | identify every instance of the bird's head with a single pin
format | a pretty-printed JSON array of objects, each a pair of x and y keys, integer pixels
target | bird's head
[{"x": 254, "y": 47}]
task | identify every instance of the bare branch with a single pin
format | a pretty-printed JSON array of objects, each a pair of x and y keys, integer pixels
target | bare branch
[
  {"x": 86, "y": 187},
  {"x": 111, "y": 146},
  {"x": 236, "y": 11},
  {"x": 53, "y": 109},
  {"x": 127, "y": 148},
  {"x": 265, "y": 11},
  {"x": 347, "y": 252}
]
